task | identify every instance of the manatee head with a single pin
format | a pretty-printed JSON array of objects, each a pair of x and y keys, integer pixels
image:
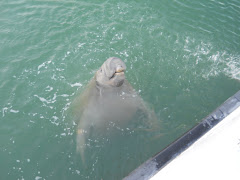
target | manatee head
[{"x": 111, "y": 73}]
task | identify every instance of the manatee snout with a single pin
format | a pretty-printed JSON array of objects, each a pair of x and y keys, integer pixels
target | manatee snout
[{"x": 111, "y": 73}]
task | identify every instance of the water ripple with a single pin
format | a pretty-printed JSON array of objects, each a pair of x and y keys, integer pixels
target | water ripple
[{"x": 50, "y": 50}]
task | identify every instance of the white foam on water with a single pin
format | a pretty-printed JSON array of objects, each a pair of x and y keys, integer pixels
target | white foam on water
[
  {"x": 64, "y": 95},
  {"x": 54, "y": 97},
  {"x": 66, "y": 106},
  {"x": 41, "y": 65},
  {"x": 54, "y": 77},
  {"x": 81, "y": 44},
  {"x": 14, "y": 111},
  {"x": 49, "y": 88},
  {"x": 59, "y": 69},
  {"x": 66, "y": 55},
  {"x": 38, "y": 177},
  {"x": 44, "y": 64},
  {"x": 8, "y": 109},
  {"x": 215, "y": 62},
  {"x": 63, "y": 134},
  {"x": 221, "y": 62},
  {"x": 76, "y": 85},
  {"x": 4, "y": 110},
  {"x": 54, "y": 121},
  {"x": 233, "y": 68},
  {"x": 43, "y": 100},
  {"x": 55, "y": 118}
]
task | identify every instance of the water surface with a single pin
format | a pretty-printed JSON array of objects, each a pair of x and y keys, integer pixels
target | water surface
[{"x": 182, "y": 57}]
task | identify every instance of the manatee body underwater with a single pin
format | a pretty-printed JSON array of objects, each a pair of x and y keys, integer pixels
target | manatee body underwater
[{"x": 108, "y": 106}]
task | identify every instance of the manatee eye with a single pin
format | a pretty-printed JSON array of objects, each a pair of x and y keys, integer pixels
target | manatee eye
[{"x": 101, "y": 70}]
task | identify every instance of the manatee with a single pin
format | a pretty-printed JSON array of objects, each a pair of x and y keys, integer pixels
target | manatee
[{"x": 109, "y": 100}]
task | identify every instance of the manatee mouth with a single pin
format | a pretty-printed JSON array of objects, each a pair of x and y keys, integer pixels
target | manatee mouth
[{"x": 119, "y": 71}]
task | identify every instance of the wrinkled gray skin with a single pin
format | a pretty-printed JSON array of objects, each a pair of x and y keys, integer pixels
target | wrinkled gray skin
[{"x": 108, "y": 100}]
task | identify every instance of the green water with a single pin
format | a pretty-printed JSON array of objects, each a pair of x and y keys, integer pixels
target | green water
[{"x": 182, "y": 56}]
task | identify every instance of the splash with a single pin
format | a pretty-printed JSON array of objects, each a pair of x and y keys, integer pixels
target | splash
[
  {"x": 222, "y": 62},
  {"x": 199, "y": 54}
]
